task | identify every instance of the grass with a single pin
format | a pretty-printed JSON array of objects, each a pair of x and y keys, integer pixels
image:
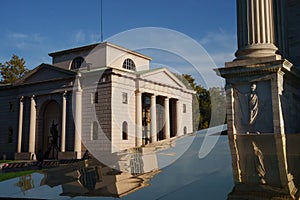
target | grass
[
  {"x": 6, "y": 161},
  {"x": 10, "y": 175}
]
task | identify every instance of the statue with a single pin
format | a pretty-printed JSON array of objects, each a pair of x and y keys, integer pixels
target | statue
[
  {"x": 253, "y": 104},
  {"x": 54, "y": 133},
  {"x": 248, "y": 109},
  {"x": 259, "y": 163}
]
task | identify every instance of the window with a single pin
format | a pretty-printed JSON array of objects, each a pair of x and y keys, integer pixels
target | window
[
  {"x": 129, "y": 64},
  {"x": 11, "y": 107},
  {"x": 124, "y": 98},
  {"x": 125, "y": 131},
  {"x": 77, "y": 62},
  {"x": 10, "y": 135},
  {"x": 185, "y": 130},
  {"x": 184, "y": 108},
  {"x": 96, "y": 100},
  {"x": 95, "y": 131}
]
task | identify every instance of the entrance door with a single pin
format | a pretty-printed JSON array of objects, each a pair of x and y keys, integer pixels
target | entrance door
[
  {"x": 52, "y": 127},
  {"x": 146, "y": 118}
]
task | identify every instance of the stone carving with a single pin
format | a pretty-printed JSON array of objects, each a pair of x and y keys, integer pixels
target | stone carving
[
  {"x": 247, "y": 108},
  {"x": 259, "y": 163},
  {"x": 253, "y": 104}
]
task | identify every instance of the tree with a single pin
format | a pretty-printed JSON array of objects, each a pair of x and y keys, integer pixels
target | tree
[
  {"x": 13, "y": 69},
  {"x": 204, "y": 102}
]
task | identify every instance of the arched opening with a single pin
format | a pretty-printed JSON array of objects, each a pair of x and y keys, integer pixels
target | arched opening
[
  {"x": 129, "y": 64},
  {"x": 125, "y": 131},
  {"x": 51, "y": 130},
  {"x": 185, "y": 130},
  {"x": 77, "y": 62}
]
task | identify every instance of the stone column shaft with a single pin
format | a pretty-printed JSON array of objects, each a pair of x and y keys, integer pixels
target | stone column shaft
[
  {"x": 138, "y": 127},
  {"x": 20, "y": 130},
  {"x": 167, "y": 118},
  {"x": 78, "y": 120},
  {"x": 255, "y": 29},
  {"x": 153, "y": 119},
  {"x": 63, "y": 122},
  {"x": 32, "y": 126}
]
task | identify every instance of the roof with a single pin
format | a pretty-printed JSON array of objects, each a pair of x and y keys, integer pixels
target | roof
[{"x": 92, "y": 46}]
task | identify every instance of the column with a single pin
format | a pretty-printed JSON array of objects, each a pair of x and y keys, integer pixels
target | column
[
  {"x": 77, "y": 119},
  {"x": 179, "y": 130},
  {"x": 167, "y": 118},
  {"x": 20, "y": 125},
  {"x": 63, "y": 123},
  {"x": 255, "y": 29},
  {"x": 138, "y": 127},
  {"x": 32, "y": 126},
  {"x": 153, "y": 119}
]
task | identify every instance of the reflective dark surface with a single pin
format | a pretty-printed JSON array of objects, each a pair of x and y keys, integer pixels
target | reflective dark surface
[{"x": 249, "y": 166}]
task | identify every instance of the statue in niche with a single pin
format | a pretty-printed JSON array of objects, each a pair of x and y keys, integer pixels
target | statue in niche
[
  {"x": 54, "y": 133},
  {"x": 259, "y": 163},
  {"x": 248, "y": 109}
]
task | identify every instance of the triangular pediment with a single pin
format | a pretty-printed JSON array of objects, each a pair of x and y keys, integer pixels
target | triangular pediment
[
  {"x": 43, "y": 73},
  {"x": 163, "y": 76}
]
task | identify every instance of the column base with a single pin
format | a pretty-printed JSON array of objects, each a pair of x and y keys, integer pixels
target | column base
[
  {"x": 256, "y": 51},
  {"x": 24, "y": 156},
  {"x": 67, "y": 155}
]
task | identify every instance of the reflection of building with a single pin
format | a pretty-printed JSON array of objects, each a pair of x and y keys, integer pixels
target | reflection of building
[
  {"x": 101, "y": 96},
  {"x": 94, "y": 179},
  {"x": 265, "y": 166}
]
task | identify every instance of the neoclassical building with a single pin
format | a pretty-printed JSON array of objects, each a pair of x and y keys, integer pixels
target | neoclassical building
[{"x": 98, "y": 97}]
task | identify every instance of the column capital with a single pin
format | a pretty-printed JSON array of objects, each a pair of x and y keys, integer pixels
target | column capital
[
  {"x": 64, "y": 93},
  {"x": 22, "y": 99}
]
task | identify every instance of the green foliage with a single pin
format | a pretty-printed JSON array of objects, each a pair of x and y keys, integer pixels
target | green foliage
[
  {"x": 10, "y": 175},
  {"x": 204, "y": 103},
  {"x": 13, "y": 69}
]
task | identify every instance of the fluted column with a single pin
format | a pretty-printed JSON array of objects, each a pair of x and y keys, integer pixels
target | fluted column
[
  {"x": 153, "y": 119},
  {"x": 255, "y": 29},
  {"x": 32, "y": 127},
  {"x": 138, "y": 127},
  {"x": 167, "y": 118},
  {"x": 63, "y": 122},
  {"x": 20, "y": 130},
  {"x": 78, "y": 120}
]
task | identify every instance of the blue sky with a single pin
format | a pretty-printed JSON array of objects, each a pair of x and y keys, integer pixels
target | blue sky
[{"x": 34, "y": 28}]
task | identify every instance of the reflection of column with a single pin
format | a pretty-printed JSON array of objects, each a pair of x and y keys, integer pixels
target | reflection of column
[
  {"x": 255, "y": 29},
  {"x": 138, "y": 127},
  {"x": 178, "y": 119},
  {"x": 32, "y": 127},
  {"x": 77, "y": 120},
  {"x": 63, "y": 123},
  {"x": 20, "y": 125},
  {"x": 167, "y": 118},
  {"x": 153, "y": 119}
]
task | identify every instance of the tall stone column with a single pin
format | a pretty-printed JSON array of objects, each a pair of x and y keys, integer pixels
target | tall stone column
[
  {"x": 32, "y": 126},
  {"x": 255, "y": 29},
  {"x": 153, "y": 119},
  {"x": 63, "y": 122},
  {"x": 167, "y": 118},
  {"x": 78, "y": 120},
  {"x": 138, "y": 126},
  {"x": 20, "y": 130}
]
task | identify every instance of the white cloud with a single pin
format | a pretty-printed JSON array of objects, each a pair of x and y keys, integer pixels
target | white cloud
[
  {"x": 79, "y": 37},
  {"x": 18, "y": 36}
]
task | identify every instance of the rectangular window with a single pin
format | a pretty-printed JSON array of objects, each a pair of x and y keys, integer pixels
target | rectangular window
[
  {"x": 11, "y": 107},
  {"x": 96, "y": 100},
  {"x": 10, "y": 135},
  {"x": 124, "y": 98},
  {"x": 184, "y": 108}
]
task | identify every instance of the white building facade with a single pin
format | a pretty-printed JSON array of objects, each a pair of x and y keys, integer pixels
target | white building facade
[{"x": 99, "y": 97}]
